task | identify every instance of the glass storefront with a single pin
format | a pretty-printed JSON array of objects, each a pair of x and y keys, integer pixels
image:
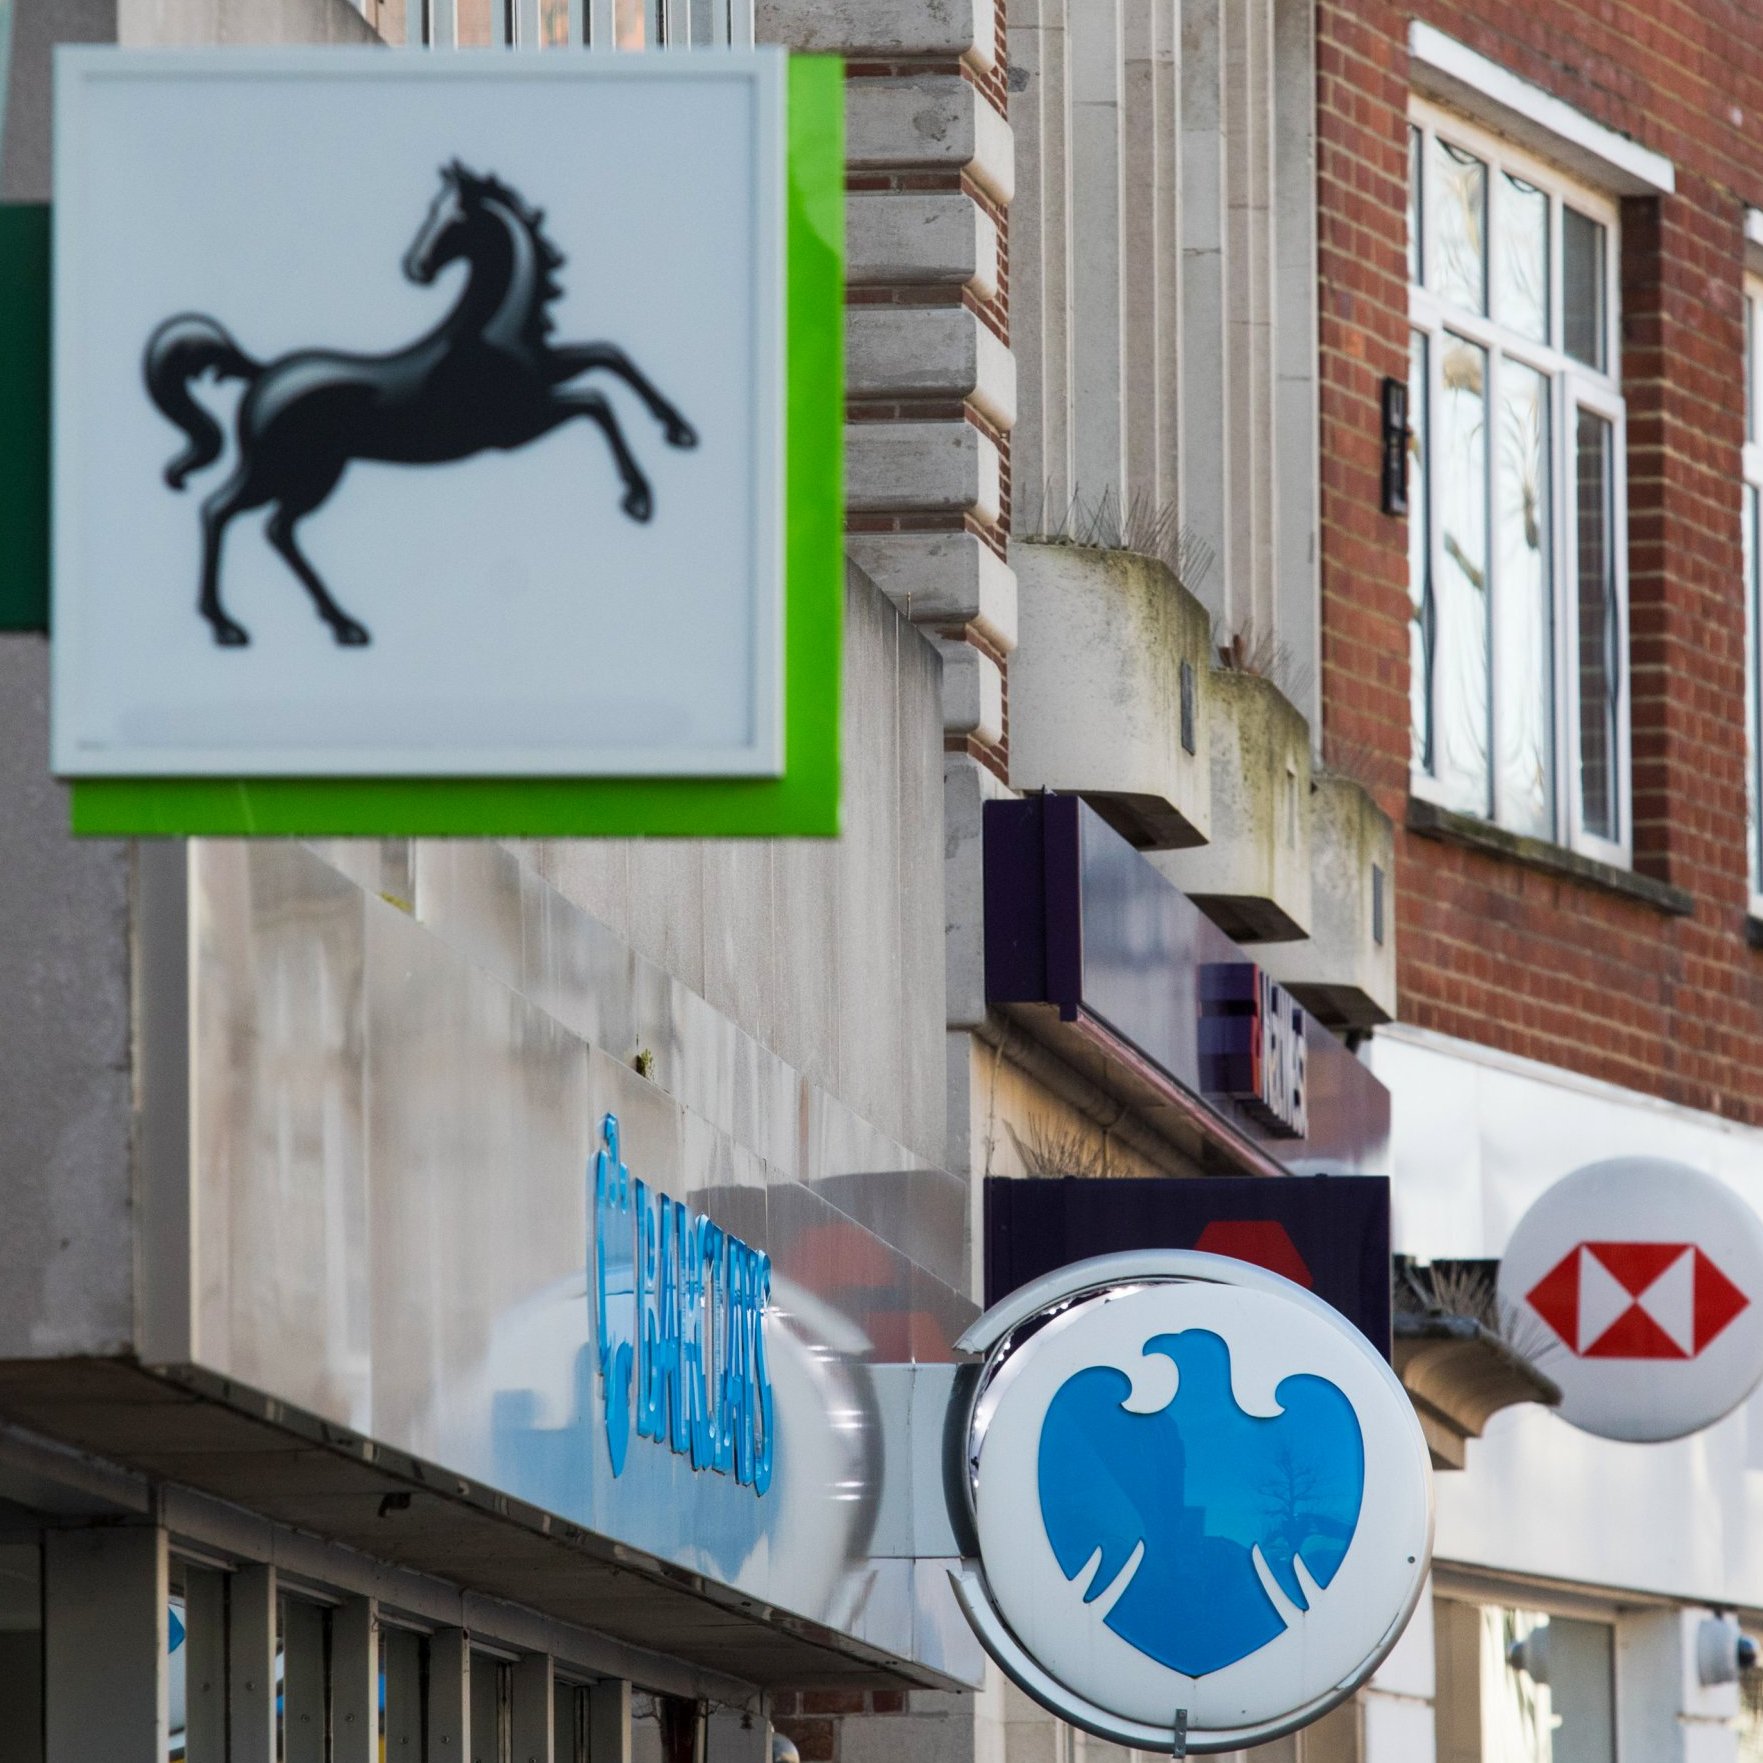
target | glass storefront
[{"x": 1522, "y": 1686}]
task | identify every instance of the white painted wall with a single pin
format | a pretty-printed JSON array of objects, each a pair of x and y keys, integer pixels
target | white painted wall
[{"x": 1476, "y": 1137}]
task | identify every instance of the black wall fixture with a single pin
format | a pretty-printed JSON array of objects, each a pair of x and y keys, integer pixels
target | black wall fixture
[{"x": 1395, "y": 447}]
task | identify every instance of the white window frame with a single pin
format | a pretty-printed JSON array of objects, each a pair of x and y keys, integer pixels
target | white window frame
[
  {"x": 515, "y": 24},
  {"x": 1753, "y": 485},
  {"x": 1573, "y": 387}
]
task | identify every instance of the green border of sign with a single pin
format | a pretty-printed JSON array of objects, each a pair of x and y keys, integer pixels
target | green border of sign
[{"x": 804, "y": 802}]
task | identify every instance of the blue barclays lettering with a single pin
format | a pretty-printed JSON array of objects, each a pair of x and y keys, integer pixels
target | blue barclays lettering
[{"x": 680, "y": 1306}]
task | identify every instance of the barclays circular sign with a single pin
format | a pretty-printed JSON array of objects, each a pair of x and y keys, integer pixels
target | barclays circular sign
[{"x": 1201, "y": 1500}]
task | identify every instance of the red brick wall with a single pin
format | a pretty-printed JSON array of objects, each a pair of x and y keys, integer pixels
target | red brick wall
[
  {"x": 1492, "y": 949},
  {"x": 812, "y": 1717}
]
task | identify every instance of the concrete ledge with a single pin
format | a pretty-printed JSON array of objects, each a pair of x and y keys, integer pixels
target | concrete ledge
[
  {"x": 895, "y": 240},
  {"x": 1096, "y": 689},
  {"x": 1433, "y": 822},
  {"x": 973, "y": 692},
  {"x": 914, "y": 467},
  {"x": 1253, "y": 881},
  {"x": 1345, "y": 972},
  {"x": 942, "y": 579},
  {"x": 934, "y": 122},
  {"x": 929, "y": 352},
  {"x": 886, "y": 29}
]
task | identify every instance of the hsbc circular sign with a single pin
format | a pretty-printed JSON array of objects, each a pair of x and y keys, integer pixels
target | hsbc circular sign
[
  {"x": 1648, "y": 1277},
  {"x": 1202, "y": 1502}
]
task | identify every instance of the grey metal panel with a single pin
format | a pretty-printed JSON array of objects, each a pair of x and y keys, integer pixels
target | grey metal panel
[
  {"x": 533, "y": 1710},
  {"x": 205, "y": 1666},
  {"x": 354, "y": 1682},
  {"x": 449, "y": 1708},
  {"x": 401, "y": 1654},
  {"x": 105, "y": 1597},
  {"x": 609, "y": 1721},
  {"x": 303, "y": 1682},
  {"x": 912, "y": 1518},
  {"x": 251, "y": 1672}
]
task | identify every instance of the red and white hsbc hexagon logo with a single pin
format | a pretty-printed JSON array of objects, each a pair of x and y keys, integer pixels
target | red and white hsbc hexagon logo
[
  {"x": 1636, "y": 1300},
  {"x": 1647, "y": 1276}
]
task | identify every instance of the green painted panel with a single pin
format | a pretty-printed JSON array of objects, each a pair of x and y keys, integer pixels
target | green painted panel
[
  {"x": 804, "y": 802},
  {"x": 24, "y": 416}
]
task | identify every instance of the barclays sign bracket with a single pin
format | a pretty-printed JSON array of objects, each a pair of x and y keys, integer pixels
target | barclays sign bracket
[{"x": 680, "y": 1316}]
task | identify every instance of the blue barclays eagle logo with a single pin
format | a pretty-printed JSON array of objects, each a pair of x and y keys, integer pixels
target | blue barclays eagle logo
[{"x": 1206, "y": 1489}]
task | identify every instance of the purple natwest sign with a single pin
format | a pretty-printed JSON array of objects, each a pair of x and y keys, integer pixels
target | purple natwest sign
[{"x": 1082, "y": 931}]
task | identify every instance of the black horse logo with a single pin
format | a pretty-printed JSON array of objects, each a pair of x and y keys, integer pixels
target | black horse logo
[{"x": 488, "y": 375}]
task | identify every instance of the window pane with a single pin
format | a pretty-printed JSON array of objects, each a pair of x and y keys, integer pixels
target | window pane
[
  {"x": 1583, "y": 320},
  {"x": 1518, "y": 1717},
  {"x": 477, "y": 23},
  {"x": 1416, "y": 216},
  {"x": 630, "y": 23},
  {"x": 1522, "y": 298},
  {"x": 1457, "y": 226},
  {"x": 1596, "y": 599},
  {"x": 1582, "y": 1689},
  {"x": 553, "y": 22},
  {"x": 1523, "y": 603},
  {"x": 1460, "y": 737},
  {"x": 1516, "y": 1686},
  {"x": 1423, "y": 613}
]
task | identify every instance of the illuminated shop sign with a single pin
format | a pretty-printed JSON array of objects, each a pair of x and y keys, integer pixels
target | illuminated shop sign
[
  {"x": 1647, "y": 1274},
  {"x": 340, "y": 510},
  {"x": 1252, "y": 1045},
  {"x": 680, "y": 1326},
  {"x": 1092, "y": 949},
  {"x": 1200, "y": 1502}
]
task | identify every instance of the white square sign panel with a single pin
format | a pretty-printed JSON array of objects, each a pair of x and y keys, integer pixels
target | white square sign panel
[{"x": 418, "y": 414}]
